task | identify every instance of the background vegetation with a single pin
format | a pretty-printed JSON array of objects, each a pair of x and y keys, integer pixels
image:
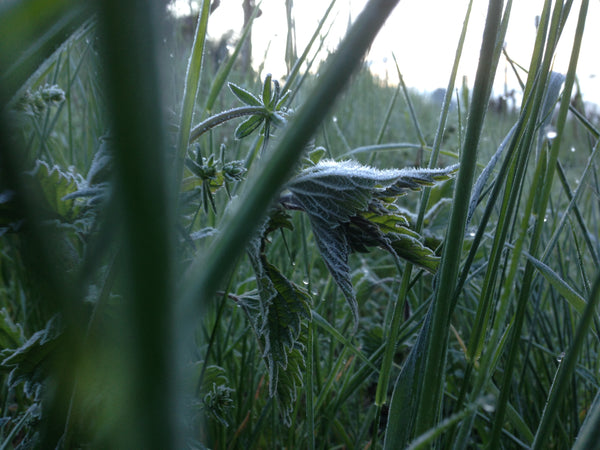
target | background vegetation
[{"x": 187, "y": 259}]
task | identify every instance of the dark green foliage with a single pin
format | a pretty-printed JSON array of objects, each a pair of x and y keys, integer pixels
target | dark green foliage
[{"x": 227, "y": 277}]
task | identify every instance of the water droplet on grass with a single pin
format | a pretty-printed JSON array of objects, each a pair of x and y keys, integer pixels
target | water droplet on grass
[
  {"x": 550, "y": 132},
  {"x": 560, "y": 357},
  {"x": 572, "y": 149}
]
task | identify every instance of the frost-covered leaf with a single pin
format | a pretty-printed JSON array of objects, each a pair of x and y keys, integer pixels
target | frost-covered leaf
[
  {"x": 277, "y": 315},
  {"x": 11, "y": 334},
  {"x": 102, "y": 164},
  {"x": 278, "y": 219},
  {"x": 335, "y": 191},
  {"x": 267, "y": 93},
  {"x": 55, "y": 186},
  {"x": 284, "y": 315},
  {"x": 30, "y": 362},
  {"x": 350, "y": 209},
  {"x": 334, "y": 248},
  {"x": 217, "y": 399},
  {"x": 248, "y": 126},
  {"x": 410, "y": 248},
  {"x": 244, "y": 96}
]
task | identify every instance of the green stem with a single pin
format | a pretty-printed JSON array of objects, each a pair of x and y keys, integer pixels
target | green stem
[
  {"x": 225, "y": 116},
  {"x": 430, "y": 401}
]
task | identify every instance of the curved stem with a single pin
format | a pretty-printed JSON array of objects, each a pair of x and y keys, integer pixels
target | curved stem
[{"x": 222, "y": 117}]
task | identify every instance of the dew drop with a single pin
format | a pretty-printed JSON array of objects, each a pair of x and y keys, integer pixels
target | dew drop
[
  {"x": 334, "y": 119},
  {"x": 171, "y": 55},
  {"x": 560, "y": 357},
  {"x": 488, "y": 408},
  {"x": 572, "y": 149},
  {"x": 305, "y": 282},
  {"x": 472, "y": 234},
  {"x": 550, "y": 132}
]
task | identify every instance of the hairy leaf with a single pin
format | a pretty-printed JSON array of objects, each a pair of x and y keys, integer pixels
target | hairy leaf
[
  {"x": 244, "y": 96},
  {"x": 29, "y": 363},
  {"x": 350, "y": 209},
  {"x": 277, "y": 314},
  {"x": 247, "y": 127},
  {"x": 55, "y": 186}
]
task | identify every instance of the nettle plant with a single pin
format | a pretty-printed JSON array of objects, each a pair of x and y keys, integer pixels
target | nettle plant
[{"x": 351, "y": 208}]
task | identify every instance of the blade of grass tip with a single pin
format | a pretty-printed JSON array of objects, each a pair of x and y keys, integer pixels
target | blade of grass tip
[
  {"x": 225, "y": 69},
  {"x": 566, "y": 291},
  {"x": 143, "y": 379},
  {"x": 566, "y": 369},
  {"x": 385, "y": 123},
  {"x": 538, "y": 47},
  {"x": 309, "y": 65},
  {"x": 296, "y": 69},
  {"x": 409, "y": 103},
  {"x": 430, "y": 399},
  {"x": 190, "y": 89},
  {"x": 542, "y": 202},
  {"x": 437, "y": 143}
]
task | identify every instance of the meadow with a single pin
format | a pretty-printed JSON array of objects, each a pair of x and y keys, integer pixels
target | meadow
[{"x": 196, "y": 255}]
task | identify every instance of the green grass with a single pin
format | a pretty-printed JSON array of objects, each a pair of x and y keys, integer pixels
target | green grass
[{"x": 146, "y": 303}]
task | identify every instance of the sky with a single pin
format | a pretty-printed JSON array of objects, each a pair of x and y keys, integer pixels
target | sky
[{"x": 422, "y": 34}]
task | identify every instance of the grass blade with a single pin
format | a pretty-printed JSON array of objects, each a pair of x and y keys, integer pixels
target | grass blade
[
  {"x": 429, "y": 406},
  {"x": 566, "y": 369},
  {"x": 191, "y": 87},
  {"x": 142, "y": 188}
]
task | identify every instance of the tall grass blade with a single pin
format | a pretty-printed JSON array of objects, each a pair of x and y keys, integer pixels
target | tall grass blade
[
  {"x": 143, "y": 382},
  {"x": 191, "y": 87},
  {"x": 570, "y": 295},
  {"x": 298, "y": 64},
  {"x": 430, "y": 400},
  {"x": 588, "y": 437},
  {"x": 566, "y": 369},
  {"x": 544, "y": 171},
  {"x": 225, "y": 69}
]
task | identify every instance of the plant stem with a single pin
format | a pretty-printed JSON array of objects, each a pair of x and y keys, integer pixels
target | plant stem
[
  {"x": 225, "y": 116},
  {"x": 430, "y": 401}
]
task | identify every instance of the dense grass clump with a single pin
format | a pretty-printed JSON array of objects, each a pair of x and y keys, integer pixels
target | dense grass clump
[{"x": 197, "y": 255}]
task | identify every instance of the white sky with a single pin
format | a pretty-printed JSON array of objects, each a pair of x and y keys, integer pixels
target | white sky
[{"x": 422, "y": 34}]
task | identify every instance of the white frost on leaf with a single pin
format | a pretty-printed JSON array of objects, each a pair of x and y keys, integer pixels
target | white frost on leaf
[{"x": 334, "y": 193}]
